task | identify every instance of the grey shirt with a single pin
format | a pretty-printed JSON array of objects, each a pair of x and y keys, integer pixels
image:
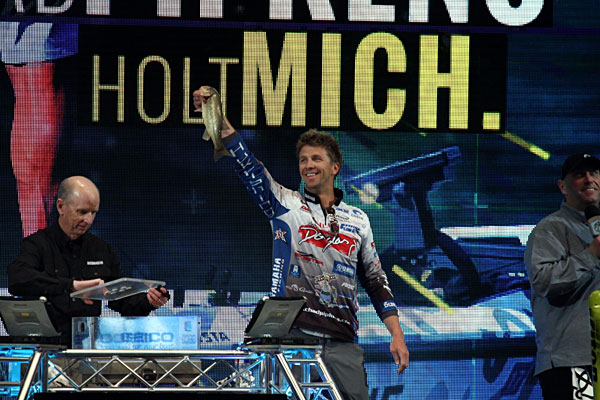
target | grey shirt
[{"x": 563, "y": 273}]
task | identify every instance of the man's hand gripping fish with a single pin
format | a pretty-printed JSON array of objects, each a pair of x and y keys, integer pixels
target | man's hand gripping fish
[{"x": 207, "y": 100}]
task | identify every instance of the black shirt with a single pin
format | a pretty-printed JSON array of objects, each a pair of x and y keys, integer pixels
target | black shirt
[{"x": 49, "y": 262}]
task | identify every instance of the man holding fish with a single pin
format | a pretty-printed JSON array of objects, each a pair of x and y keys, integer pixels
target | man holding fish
[{"x": 314, "y": 254}]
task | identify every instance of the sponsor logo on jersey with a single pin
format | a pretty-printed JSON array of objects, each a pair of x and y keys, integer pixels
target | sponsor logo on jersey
[
  {"x": 342, "y": 217},
  {"x": 301, "y": 289},
  {"x": 295, "y": 271},
  {"x": 350, "y": 228},
  {"x": 326, "y": 315},
  {"x": 389, "y": 304},
  {"x": 276, "y": 276},
  {"x": 358, "y": 212},
  {"x": 344, "y": 269},
  {"x": 305, "y": 290},
  {"x": 325, "y": 290},
  {"x": 280, "y": 235},
  {"x": 341, "y": 243}
]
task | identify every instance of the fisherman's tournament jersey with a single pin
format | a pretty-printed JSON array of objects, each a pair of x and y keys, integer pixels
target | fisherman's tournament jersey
[{"x": 309, "y": 258}]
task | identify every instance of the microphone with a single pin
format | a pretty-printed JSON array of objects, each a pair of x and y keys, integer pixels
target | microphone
[{"x": 592, "y": 214}]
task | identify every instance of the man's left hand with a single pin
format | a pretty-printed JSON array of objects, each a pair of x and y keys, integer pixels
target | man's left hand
[
  {"x": 399, "y": 352},
  {"x": 398, "y": 345},
  {"x": 158, "y": 297}
]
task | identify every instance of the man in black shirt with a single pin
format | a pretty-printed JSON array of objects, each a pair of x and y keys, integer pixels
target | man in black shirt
[{"x": 65, "y": 258}]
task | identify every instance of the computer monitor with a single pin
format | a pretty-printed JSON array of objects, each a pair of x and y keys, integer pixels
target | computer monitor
[
  {"x": 273, "y": 317},
  {"x": 26, "y": 318}
]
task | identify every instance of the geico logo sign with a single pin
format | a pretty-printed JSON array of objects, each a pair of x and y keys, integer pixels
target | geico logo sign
[{"x": 137, "y": 337}]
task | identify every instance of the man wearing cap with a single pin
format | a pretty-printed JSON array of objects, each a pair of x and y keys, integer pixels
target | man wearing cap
[{"x": 563, "y": 264}]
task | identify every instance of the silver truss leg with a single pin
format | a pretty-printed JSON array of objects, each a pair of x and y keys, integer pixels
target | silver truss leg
[
  {"x": 44, "y": 371},
  {"x": 32, "y": 369},
  {"x": 290, "y": 377}
]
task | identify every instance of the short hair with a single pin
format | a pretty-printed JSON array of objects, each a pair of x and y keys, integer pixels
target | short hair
[
  {"x": 65, "y": 190},
  {"x": 314, "y": 137}
]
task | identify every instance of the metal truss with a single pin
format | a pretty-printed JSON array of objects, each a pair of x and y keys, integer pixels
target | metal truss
[{"x": 296, "y": 371}]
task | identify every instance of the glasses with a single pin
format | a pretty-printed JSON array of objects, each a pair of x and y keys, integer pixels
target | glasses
[{"x": 333, "y": 223}]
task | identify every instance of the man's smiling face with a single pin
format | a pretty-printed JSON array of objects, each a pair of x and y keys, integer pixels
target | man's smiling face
[
  {"x": 317, "y": 169},
  {"x": 581, "y": 188}
]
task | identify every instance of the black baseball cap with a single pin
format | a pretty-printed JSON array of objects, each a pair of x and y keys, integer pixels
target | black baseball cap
[{"x": 578, "y": 162}]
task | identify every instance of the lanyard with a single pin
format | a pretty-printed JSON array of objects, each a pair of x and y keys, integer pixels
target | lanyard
[{"x": 330, "y": 217}]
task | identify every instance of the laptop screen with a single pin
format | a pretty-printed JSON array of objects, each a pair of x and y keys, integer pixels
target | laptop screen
[
  {"x": 26, "y": 318},
  {"x": 273, "y": 317}
]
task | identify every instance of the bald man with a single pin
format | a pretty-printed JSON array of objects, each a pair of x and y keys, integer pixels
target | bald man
[{"x": 65, "y": 257}]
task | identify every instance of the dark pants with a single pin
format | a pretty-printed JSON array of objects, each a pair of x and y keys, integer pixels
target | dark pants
[
  {"x": 345, "y": 364},
  {"x": 567, "y": 383}
]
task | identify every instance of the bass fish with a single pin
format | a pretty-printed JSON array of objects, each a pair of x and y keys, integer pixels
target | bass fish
[{"x": 207, "y": 100}]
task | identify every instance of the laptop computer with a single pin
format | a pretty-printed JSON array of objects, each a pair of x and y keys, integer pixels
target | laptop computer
[
  {"x": 273, "y": 319},
  {"x": 27, "y": 321}
]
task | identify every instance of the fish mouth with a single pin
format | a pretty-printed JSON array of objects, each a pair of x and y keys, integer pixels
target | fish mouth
[{"x": 206, "y": 91}]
